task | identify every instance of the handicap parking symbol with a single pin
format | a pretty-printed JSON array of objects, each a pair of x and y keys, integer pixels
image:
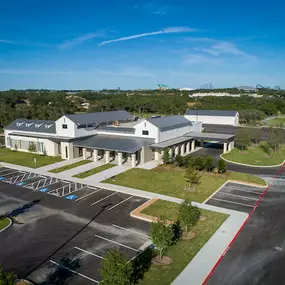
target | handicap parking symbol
[
  {"x": 20, "y": 184},
  {"x": 2, "y": 178},
  {"x": 44, "y": 190},
  {"x": 71, "y": 197}
]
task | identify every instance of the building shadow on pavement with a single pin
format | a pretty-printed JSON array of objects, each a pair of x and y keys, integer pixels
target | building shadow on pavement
[{"x": 21, "y": 210}]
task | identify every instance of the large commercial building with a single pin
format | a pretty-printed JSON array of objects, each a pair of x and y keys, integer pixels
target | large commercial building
[
  {"x": 112, "y": 136},
  {"x": 215, "y": 117}
]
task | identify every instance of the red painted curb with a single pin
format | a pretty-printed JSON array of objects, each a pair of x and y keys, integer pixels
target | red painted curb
[{"x": 241, "y": 228}]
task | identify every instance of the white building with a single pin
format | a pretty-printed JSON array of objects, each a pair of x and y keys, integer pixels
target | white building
[
  {"x": 112, "y": 136},
  {"x": 215, "y": 117}
]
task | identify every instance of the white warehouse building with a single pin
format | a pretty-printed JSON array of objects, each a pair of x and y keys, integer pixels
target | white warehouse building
[
  {"x": 111, "y": 136},
  {"x": 216, "y": 117}
]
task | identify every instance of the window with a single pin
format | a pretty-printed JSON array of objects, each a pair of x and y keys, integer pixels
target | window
[
  {"x": 64, "y": 126},
  {"x": 145, "y": 133}
]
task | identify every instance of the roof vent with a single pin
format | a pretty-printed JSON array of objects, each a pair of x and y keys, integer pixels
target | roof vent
[
  {"x": 38, "y": 125},
  {"x": 28, "y": 124},
  {"x": 18, "y": 124},
  {"x": 48, "y": 126}
]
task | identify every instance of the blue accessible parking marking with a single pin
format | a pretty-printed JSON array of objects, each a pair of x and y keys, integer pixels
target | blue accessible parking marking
[
  {"x": 44, "y": 190},
  {"x": 2, "y": 178},
  {"x": 21, "y": 184},
  {"x": 71, "y": 197}
]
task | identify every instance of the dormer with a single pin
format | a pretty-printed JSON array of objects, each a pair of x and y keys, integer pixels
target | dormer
[
  {"x": 47, "y": 126},
  {"x": 38, "y": 125},
  {"x": 28, "y": 124},
  {"x": 19, "y": 124}
]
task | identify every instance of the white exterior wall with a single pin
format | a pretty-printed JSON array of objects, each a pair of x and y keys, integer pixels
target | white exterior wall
[
  {"x": 71, "y": 126},
  {"x": 69, "y": 154},
  {"x": 153, "y": 131},
  {"x": 50, "y": 147},
  {"x": 218, "y": 120},
  {"x": 197, "y": 127},
  {"x": 172, "y": 134}
]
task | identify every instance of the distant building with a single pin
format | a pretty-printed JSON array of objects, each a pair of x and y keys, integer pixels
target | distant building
[
  {"x": 186, "y": 89},
  {"x": 215, "y": 117},
  {"x": 247, "y": 88}
]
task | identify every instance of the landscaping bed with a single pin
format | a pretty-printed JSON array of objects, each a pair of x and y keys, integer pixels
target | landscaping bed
[
  {"x": 70, "y": 166},
  {"x": 26, "y": 158},
  {"x": 94, "y": 171},
  {"x": 169, "y": 180},
  {"x": 255, "y": 156},
  {"x": 4, "y": 222},
  {"x": 185, "y": 250}
]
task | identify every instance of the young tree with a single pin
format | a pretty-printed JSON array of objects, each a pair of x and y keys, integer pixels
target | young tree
[
  {"x": 179, "y": 160},
  {"x": 162, "y": 236},
  {"x": 192, "y": 176},
  {"x": 243, "y": 139},
  {"x": 209, "y": 163},
  {"x": 188, "y": 160},
  {"x": 265, "y": 147},
  {"x": 188, "y": 215},
  {"x": 116, "y": 269},
  {"x": 166, "y": 157},
  {"x": 198, "y": 163},
  {"x": 276, "y": 138},
  {"x": 32, "y": 147},
  {"x": 222, "y": 166},
  {"x": 7, "y": 278}
]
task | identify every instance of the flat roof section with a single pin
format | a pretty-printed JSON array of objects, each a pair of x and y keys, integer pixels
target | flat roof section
[
  {"x": 170, "y": 142},
  {"x": 114, "y": 143},
  {"x": 210, "y": 136}
]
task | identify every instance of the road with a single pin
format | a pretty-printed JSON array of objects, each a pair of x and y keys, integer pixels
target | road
[{"x": 258, "y": 254}]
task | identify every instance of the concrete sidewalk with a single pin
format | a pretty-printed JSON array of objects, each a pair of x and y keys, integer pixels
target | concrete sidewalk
[{"x": 58, "y": 164}]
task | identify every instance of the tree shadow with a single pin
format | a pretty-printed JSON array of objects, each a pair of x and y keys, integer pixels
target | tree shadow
[
  {"x": 62, "y": 273},
  {"x": 21, "y": 210},
  {"x": 141, "y": 264},
  {"x": 177, "y": 231}
]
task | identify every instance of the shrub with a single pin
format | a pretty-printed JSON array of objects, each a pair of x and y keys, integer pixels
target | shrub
[
  {"x": 188, "y": 160},
  {"x": 209, "y": 164},
  {"x": 198, "y": 163},
  {"x": 166, "y": 157},
  {"x": 179, "y": 160},
  {"x": 222, "y": 166},
  {"x": 32, "y": 147}
]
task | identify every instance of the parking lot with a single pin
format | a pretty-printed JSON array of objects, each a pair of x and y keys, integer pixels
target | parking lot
[
  {"x": 65, "y": 228},
  {"x": 236, "y": 196}
]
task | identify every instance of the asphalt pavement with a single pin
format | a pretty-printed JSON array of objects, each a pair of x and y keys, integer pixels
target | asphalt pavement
[{"x": 258, "y": 254}]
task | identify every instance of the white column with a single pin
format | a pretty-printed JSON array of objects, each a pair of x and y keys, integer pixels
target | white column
[
  {"x": 225, "y": 147},
  {"x": 95, "y": 155},
  {"x": 133, "y": 160},
  {"x": 84, "y": 153},
  {"x": 193, "y": 145},
  {"x": 202, "y": 143},
  {"x": 188, "y": 147},
  {"x": 120, "y": 158},
  {"x": 171, "y": 152},
  {"x": 176, "y": 150},
  {"x": 107, "y": 156},
  {"x": 233, "y": 144},
  {"x": 183, "y": 149},
  {"x": 156, "y": 154}
]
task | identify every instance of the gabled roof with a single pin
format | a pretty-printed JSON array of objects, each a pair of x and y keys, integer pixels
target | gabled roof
[
  {"x": 100, "y": 117},
  {"x": 225, "y": 113},
  {"x": 169, "y": 122},
  {"x": 36, "y": 126}
]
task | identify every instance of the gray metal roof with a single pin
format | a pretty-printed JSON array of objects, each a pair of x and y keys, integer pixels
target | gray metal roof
[
  {"x": 116, "y": 129},
  {"x": 226, "y": 113},
  {"x": 100, "y": 117},
  {"x": 170, "y": 142},
  {"x": 36, "y": 126},
  {"x": 210, "y": 136},
  {"x": 170, "y": 122},
  {"x": 114, "y": 143}
]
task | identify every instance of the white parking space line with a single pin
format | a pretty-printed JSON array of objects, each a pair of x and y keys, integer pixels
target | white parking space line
[
  {"x": 120, "y": 203},
  {"x": 88, "y": 252},
  {"x": 12, "y": 173},
  {"x": 75, "y": 272},
  {"x": 87, "y": 195},
  {"x": 129, "y": 230},
  {"x": 4, "y": 170},
  {"x": 243, "y": 190},
  {"x": 112, "y": 241},
  {"x": 239, "y": 196},
  {"x": 103, "y": 199},
  {"x": 231, "y": 202}
]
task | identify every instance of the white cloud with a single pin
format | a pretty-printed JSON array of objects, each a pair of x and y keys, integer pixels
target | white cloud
[
  {"x": 200, "y": 59},
  {"x": 78, "y": 40},
  {"x": 172, "y": 30},
  {"x": 6, "y": 42}
]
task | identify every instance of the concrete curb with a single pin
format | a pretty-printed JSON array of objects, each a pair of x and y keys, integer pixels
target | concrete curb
[
  {"x": 250, "y": 165},
  {"x": 10, "y": 224}
]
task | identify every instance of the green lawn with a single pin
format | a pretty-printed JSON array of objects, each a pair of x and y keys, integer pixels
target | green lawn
[
  {"x": 255, "y": 156},
  {"x": 94, "y": 171},
  {"x": 69, "y": 166},
  {"x": 4, "y": 222},
  {"x": 26, "y": 158},
  {"x": 276, "y": 122},
  {"x": 170, "y": 181},
  {"x": 184, "y": 251}
]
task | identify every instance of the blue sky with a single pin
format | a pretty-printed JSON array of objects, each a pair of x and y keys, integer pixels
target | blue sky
[{"x": 92, "y": 44}]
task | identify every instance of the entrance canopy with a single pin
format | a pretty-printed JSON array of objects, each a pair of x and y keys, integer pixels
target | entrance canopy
[
  {"x": 113, "y": 143},
  {"x": 169, "y": 143},
  {"x": 210, "y": 136}
]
